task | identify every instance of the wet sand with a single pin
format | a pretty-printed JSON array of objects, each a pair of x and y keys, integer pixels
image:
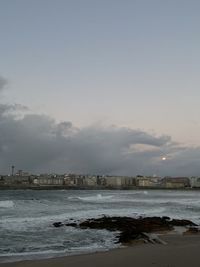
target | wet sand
[{"x": 180, "y": 251}]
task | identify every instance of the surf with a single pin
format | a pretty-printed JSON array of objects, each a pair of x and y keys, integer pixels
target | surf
[{"x": 6, "y": 204}]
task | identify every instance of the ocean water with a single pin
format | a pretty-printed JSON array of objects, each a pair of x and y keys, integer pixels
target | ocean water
[{"x": 26, "y": 218}]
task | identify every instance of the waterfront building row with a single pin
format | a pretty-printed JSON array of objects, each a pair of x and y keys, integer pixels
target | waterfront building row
[{"x": 96, "y": 181}]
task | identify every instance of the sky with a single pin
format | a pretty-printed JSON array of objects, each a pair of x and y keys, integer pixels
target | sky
[{"x": 103, "y": 87}]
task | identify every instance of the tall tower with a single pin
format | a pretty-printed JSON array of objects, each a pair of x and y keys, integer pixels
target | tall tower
[{"x": 13, "y": 168}]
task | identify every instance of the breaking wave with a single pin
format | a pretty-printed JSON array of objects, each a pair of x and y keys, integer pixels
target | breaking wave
[
  {"x": 95, "y": 198},
  {"x": 6, "y": 204}
]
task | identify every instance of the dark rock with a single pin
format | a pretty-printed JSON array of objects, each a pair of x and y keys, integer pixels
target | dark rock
[
  {"x": 58, "y": 224},
  {"x": 71, "y": 224},
  {"x": 166, "y": 218},
  {"x": 177, "y": 222},
  {"x": 148, "y": 224},
  {"x": 131, "y": 228}
]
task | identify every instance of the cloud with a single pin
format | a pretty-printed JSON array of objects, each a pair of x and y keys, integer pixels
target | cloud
[
  {"x": 37, "y": 143},
  {"x": 9, "y": 108}
]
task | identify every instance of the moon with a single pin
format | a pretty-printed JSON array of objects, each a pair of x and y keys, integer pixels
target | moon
[{"x": 164, "y": 158}]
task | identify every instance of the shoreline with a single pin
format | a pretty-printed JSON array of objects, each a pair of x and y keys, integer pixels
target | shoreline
[
  {"x": 92, "y": 188},
  {"x": 180, "y": 251}
]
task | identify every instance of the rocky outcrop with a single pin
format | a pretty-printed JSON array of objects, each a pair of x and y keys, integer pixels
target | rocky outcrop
[
  {"x": 58, "y": 224},
  {"x": 130, "y": 228},
  {"x": 177, "y": 222}
]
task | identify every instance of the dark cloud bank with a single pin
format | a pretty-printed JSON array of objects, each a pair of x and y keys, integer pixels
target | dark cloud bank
[{"x": 37, "y": 143}]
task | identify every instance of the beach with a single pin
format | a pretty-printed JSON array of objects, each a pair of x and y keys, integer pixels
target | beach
[{"x": 180, "y": 251}]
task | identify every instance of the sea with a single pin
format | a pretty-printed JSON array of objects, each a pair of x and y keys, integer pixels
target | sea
[{"x": 27, "y": 217}]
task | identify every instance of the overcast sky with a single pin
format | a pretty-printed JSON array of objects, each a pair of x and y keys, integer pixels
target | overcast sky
[{"x": 102, "y": 86}]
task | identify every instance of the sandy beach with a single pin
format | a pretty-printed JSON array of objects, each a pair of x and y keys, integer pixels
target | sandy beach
[{"x": 180, "y": 251}]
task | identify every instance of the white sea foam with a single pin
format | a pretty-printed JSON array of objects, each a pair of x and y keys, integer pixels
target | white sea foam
[
  {"x": 6, "y": 204},
  {"x": 14, "y": 257},
  {"x": 95, "y": 198}
]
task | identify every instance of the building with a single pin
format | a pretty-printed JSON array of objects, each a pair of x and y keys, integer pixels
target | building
[
  {"x": 17, "y": 180},
  {"x": 195, "y": 182},
  {"x": 129, "y": 181},
  {"x": 90, "y": 180},
  {"x": 48, "y": 180},
  {"x": 74, "y": 180},
  {"x": 176, "y": 182},
  {"x": 114, "y": 181}
]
